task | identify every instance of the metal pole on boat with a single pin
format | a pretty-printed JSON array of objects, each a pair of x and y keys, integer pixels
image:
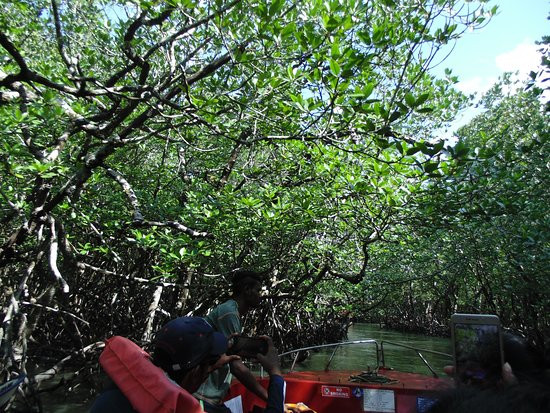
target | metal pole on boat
[
  {"x": 426, "y": 363},
  {"x": 331, "y": 357},
  {"x": 294, "y": 362}
]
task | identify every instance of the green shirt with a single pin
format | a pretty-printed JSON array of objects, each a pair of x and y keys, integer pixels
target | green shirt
[{"x": 224, "y": 318}]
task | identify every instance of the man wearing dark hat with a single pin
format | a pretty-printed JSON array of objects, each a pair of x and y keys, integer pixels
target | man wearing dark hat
[
  {"x": 185, "y": 351},
  {"x": 226, "y": 318}
]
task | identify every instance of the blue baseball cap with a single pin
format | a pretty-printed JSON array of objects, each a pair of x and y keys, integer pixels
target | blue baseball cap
[{"x": 189, "y": 341}]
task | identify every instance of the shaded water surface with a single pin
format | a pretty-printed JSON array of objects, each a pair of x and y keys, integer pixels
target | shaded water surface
[{"x": 362, "y": 356}]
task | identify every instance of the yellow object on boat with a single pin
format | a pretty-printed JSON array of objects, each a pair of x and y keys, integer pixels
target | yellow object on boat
[{"x": 298, "y": 408}]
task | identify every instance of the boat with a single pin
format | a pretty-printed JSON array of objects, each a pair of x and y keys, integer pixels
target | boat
[
  {"x": 8, "y": 389},
  {"x": 378, "y": 388}
]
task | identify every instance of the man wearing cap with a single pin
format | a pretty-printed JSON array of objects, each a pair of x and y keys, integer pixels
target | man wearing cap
[
  {"x": 226, "y": 318},
  {"x": 185, "y": 351}
]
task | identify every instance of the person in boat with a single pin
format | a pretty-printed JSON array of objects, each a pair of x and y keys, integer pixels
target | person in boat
[
  {"x": 524, "y": 386},
  {"x": 527, "y": 364},
  {"x": 523, "y": 362},
  {"x": 226, "y": 319},
  {"x": 519, "y": 398},
  {"x": 185, "y": 351}
]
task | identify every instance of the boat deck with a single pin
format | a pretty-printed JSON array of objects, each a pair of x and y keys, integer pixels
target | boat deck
[
  {"x": 388, "y": 391},
  {"x": 409, "y": 381},
  {"x": 333, "y": 391}
]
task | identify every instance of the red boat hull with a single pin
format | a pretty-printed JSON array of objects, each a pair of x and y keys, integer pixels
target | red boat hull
[{"x": 334, "y": 392}]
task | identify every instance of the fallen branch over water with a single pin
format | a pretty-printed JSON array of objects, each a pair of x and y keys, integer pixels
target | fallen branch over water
[{"x": 53, "y": 371}]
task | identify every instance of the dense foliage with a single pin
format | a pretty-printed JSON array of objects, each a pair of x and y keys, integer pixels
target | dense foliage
[
  {"x": 148, "y": 149},
  {"x": 479, "y": 240}
]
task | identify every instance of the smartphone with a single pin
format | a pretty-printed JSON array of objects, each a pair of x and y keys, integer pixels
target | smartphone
[
  {"x": 477, "y": 348},
  {"x": 247, "y": 346}
]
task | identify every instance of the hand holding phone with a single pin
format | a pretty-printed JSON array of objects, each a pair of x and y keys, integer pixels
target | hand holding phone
[
  {"x": 477, "y": 347},
  {"x": 247, "y": 347}
]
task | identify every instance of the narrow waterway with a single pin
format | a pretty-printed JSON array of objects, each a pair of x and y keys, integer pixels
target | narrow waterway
[
  {"x": 362, "y": 356},
  {"x": 353, "y": 357}
]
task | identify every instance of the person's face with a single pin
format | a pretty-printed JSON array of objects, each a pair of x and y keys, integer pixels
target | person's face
[{"x": 253, "y": 295}]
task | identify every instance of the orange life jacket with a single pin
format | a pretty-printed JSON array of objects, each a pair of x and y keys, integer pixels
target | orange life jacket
[{"x": 145, "y": 385}]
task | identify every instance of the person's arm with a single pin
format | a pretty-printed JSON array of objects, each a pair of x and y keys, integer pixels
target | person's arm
[
  {"x": 229, "y": 324},
  {"x": 245, "y": 376},
  {"x": 277, "y": 387},
  {"x": 223, "y": 360},
  {"x": 276, "y": 395}
]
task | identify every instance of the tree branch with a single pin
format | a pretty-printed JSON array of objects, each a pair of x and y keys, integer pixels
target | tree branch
[
  {"x": 51, "y": 373},
  {"x": 54, "y": 310},
  {"x": 127, "y": 188},
  {"x": 60, "y": 42},
  {"x": 151, "y": 314},
  {"x": 357, "y": 278},
  {"x": 83, "y": 265},
  {"x": 53, "y": 256},
  {"x": 175, "y": 225}
]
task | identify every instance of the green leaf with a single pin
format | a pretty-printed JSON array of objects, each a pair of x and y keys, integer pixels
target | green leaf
[
  {"x": 409, "y": 99},
  {"x": 395, "y": 115},
  {"x": 334, "y": 67},
  {"x": 288, "y": 29},
  {"x": 413, "y": 150},
  {"x": 438, "y": 146},
  {"x": 430, "y": 166},
  {"x": 421, "y": 99},
  {"x": 335, "y": 49},
  {"x": 399, "y": 147},
  {"x": 425, "y": 110},
  {"x": 291, "y": 71},
  {"x": 276, "y": 7},
  {"x": 19, "y": 116},
  {"x": 381, "y": 142},
  {"x": 367, "y": 90},
  {"x": 364, "y": 36}
]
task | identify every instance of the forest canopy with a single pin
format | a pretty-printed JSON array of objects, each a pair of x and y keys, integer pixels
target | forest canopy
[{"x": 149, "y": 149}]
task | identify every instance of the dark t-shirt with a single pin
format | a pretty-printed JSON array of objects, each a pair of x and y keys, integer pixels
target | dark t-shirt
[{"x": 112, "y": 400}]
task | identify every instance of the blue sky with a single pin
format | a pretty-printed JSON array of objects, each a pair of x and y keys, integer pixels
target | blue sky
[{"x": 507, "y": 43}]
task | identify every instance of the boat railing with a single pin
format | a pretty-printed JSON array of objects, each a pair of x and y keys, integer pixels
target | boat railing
[
  {"x": 418, "y": 353},
  {"x": 379, "y": 347},
  {"x": 336, "y": 347}
]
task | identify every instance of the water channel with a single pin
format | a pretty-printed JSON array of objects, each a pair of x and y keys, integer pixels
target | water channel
[
  {"x": 352, "y": 357},
  {"x": 363, "y": 356}
]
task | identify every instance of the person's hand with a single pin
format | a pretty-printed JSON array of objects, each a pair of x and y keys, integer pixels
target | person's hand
[
  {"x": 223, "y": 360},
  {"x": 231, "y": 336},
  {"x": 270, "y": 361},
  {"x": 231, "y": 341},
  {"x": 508, "y": 376}
]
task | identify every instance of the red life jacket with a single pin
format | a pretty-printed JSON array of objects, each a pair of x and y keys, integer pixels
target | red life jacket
[{"x": 145, "y": 385}]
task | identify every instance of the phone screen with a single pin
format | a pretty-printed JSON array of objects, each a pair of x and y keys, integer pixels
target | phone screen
[{"x": 478, "y": 353}]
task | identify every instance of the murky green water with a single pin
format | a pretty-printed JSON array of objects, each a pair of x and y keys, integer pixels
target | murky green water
[
  {"x": 353, "y": 357},
  {"x": 359, "y": 357}
]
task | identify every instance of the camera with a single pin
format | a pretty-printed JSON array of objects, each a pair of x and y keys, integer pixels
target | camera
[{"x": 247, "y": 346}]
